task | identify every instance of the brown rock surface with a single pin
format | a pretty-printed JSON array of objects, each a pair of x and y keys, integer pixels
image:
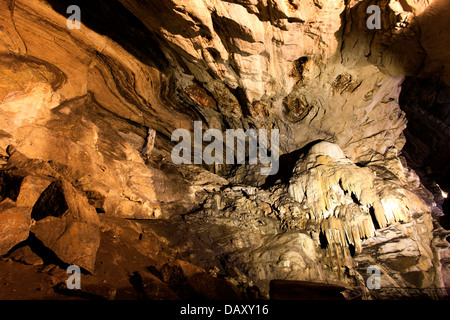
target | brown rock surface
[
  {"x": 67, "y": 224},
  {"x": 86, "y": 118},
  {"x": 74, "y": 242},
  {"x": 61, "y": 200}
]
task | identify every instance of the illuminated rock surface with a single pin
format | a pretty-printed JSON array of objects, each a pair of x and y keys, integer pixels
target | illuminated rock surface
[{"x": 86, "y": 117}]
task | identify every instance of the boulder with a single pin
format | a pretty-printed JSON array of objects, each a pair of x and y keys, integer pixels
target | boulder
[
  {"x": 14, "y": 225},
  {"x": 73, "y": 241},
  {"x": 26, "y": 255},
  {"x": 190, "y": 281},
  {"x": 67, "y": 224},
  {"x": 305, "y": 290}
]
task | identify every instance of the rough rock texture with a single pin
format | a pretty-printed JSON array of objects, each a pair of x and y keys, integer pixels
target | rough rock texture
[
  {"x": 342, "y": 196},
  {"x": 86, "y": 117},
  {"x": 74, "y": 242},
  {"x": 427, "y": 105},
  {"x": 67, "y": 224},
  {"x": 332, "y": 216},
  {"x": 14, "y": 225}
]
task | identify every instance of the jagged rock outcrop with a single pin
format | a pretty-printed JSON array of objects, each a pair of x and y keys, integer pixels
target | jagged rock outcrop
[
  {"x": 67, "y": 224},
  {"x": 329, "y": 223},
  {"x": 426, "y": 103},
  {"x": 86, "y": 117}
]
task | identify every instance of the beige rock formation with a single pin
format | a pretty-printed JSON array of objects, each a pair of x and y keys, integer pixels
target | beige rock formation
[
  {"x": 342, "y": 195},
  {"x": 86, "y": 117}
]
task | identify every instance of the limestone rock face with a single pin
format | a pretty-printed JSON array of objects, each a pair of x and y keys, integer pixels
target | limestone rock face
[
  {"x": 14, "y": 225},
  {"x": 86, "y": 123}
]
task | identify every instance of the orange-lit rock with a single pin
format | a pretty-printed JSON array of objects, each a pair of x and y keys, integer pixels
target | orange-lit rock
[{"x": 86, "y": 118}]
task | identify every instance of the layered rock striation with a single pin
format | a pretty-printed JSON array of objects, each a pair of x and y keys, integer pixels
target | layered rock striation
[{"x": 86, "y": 118}]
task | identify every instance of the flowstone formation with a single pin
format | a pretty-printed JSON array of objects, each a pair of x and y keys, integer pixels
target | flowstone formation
[
  {"x": 86, "y": 123},
  {"x": 320, "y": 224},
  {"x": 343, "y": 197},
  {"x": 353, "y": 203}
]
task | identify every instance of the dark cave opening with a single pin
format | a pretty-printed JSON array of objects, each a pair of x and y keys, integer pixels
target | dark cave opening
[
  {"x": 323, "y": 240},
  {"x": 374, "y": 219},
  {"x": 426, "y": 103}
]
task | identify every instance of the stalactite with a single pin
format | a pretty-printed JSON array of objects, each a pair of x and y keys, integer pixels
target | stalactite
[{"x": 342, "y": 195}]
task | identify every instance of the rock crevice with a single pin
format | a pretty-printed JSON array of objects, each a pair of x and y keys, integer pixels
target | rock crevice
[{"x": 87, "y": 115}]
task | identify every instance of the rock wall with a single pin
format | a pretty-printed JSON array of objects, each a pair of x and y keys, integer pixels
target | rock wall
[
  {"x": 427, "y": 133},
  {"x": 85, "y": 139}
]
